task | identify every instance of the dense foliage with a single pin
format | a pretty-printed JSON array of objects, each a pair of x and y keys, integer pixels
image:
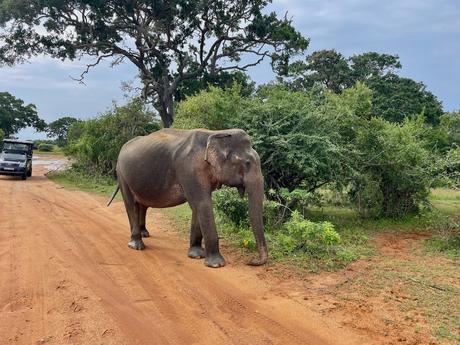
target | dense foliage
[
  {"x": 294, "y": 236},
  {"x": 95, "y": 143},
  {"x": 15, "y": 115},
  {"x": 395, "y": 166},
  {"x": 213, "y": 109},
  {"x": 313, "y": 140},
  {"x": 300, "y": 145},
  {"x": 394, "y": 98}
]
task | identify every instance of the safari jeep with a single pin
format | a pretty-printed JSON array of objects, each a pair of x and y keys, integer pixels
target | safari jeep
[{"x": 16, "y": 158}]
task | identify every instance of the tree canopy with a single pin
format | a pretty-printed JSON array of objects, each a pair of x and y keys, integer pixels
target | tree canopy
[
  {"x": 395, "y": 98},
  {"x": 15, "y": 115},
  {"x": 59, "y": 129},
  {"x": 168, "y": 41}
]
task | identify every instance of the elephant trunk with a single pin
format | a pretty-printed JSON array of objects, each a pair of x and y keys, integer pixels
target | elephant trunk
[{"x": 254, "y": 185}]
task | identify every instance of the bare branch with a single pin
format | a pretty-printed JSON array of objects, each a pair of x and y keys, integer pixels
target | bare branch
[{"x": 89, "y": 66}]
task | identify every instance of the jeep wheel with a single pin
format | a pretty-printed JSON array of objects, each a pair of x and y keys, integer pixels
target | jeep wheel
[
  {"x": 24, "y": 177},
  {"x": 29, "y": 173}
]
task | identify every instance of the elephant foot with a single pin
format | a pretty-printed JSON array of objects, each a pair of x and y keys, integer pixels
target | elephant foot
[
  {"x": 196, "y": 252},
  {"x": 214, "y": 260},
  {"x": 136, "y": 244},
  {"x": 145, "y": 233}
]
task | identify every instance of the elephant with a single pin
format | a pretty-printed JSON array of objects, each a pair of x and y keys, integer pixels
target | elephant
[{"x": 172, "y": 166}]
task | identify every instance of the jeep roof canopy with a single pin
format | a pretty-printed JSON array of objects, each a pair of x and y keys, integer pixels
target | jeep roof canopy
[
  {"x": 18, "y": 141},
  {"x": 17, "y": 145}
]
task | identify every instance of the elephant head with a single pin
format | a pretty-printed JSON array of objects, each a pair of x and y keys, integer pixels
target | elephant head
[{"x": 236, "y": 164}]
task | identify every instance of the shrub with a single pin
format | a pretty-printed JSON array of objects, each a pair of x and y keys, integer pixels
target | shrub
[
  {"x": 395, "y": 168},
  {"x": 231, "y": 207},
  {"x": 95, "y": 143},
  {"x": 2, "y": 135},
  {"x": 314, "y": 238},
  {"x": 298, "y": 199},
  {"x": 446, "y": 237},
  {"x": 212, "y": 109},
  {"x": 46, "y": 147},
  {"x": 299, "y": 144}
]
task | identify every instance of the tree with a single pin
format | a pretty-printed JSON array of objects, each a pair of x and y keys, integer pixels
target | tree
[
  {"x": 372, "y": 64},
  {"x": 332, "y": 70},
  {"x": 450, "y": 123},
  {"x": 168, "y": 41},
  {"x": 395, "y": 98},
  {"x": 59, "y": 129},
  {"x": 324, "y": 67},
  {"x": 224, "y": 80},
  {"x": 15, "y": 115}
]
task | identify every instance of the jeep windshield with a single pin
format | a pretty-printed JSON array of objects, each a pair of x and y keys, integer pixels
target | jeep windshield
[
  {"x": 13, "y": 157},
  {"x": 15, "y": 148}
]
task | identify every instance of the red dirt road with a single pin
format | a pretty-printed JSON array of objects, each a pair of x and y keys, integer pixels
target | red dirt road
[{"x": 67, "y": 276}]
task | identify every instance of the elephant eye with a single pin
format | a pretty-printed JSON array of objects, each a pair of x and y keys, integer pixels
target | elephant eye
[{"x": 248, "y": 163}]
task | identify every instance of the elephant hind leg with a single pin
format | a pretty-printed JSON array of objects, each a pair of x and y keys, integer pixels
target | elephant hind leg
[
  {"x": 133, "y": 209},
  {"x": 142, "y": 215},
  {"x": 196, "y": 251}
]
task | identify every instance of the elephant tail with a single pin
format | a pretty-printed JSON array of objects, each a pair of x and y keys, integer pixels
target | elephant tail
[{"x": 113, "y": 195}]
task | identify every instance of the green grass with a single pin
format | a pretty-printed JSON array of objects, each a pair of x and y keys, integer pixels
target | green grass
[
  {"x": 56, "y": 150},
  {"x": 447, "y": 201},
  {"x": 100, "y": 185},
  {"x": 182, "y": 216},
  {"x": 419, "y": 286}
]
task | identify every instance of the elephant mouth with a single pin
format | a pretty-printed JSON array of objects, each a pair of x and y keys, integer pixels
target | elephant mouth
[{"x": 241, "y": 190}]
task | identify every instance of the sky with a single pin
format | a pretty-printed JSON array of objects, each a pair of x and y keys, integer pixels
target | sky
[{"x": 425, "y": 35}]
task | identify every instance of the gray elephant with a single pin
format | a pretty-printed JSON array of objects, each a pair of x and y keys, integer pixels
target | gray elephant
[{"x": 171, "y": 166}]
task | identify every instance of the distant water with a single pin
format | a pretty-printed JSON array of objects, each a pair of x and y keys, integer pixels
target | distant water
[{"x": 52, "y": 164}]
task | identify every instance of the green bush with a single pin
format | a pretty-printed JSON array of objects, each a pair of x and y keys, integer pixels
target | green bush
[
  {"x": 396, "y": 168},
  {"x": 314, "y": 238},
  {"x": 212, "y": 109},
  {"x": 301, "y": 145},
  {"x": 297, "y": 236},
  {"x": 46, "y": 147},
  {"x": 233, "y": 208},
  {"x": 446, "y": 238},
  {"x": 2, "y": 135},
  {"x": 95, "y": 143},
  {"x": 315, "y": 139}
]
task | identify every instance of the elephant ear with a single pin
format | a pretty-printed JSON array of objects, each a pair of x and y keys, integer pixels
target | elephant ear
[{"x": 216, "y": 151}]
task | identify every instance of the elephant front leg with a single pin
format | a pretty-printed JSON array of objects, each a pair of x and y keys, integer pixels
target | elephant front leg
[
  {"x": 204, "y": 211},
  {"x": 196, "y": 251}
]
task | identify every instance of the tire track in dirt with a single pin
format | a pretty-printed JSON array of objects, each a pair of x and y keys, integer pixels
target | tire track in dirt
[{"x": 68, "y": 277}]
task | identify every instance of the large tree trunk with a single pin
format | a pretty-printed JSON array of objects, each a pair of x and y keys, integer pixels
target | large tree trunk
[{"x": 165, "y": 107}]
